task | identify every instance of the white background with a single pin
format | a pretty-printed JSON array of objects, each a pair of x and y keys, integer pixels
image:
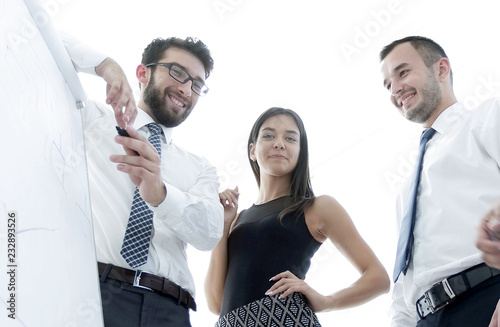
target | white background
[{"x": 319, "y": 58}]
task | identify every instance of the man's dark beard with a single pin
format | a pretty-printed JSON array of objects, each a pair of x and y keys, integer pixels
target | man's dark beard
[{"x": 156, "y": 102}]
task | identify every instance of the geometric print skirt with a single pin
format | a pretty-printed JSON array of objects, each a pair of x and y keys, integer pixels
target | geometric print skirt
[{"x": 292, "y": 311}]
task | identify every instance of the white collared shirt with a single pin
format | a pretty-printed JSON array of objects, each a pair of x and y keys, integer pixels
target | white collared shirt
[
  {"x": 191, "y": 212},
  {"x": 460, "y": 182}
]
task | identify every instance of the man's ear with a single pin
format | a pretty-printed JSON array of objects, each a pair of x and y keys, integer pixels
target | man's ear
[
  {"x": 444, "y": 69},
  {"x": 142, "y": 74}
]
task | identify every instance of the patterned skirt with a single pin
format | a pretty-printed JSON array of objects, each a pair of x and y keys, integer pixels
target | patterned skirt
[{"x": 272, "y": 312}]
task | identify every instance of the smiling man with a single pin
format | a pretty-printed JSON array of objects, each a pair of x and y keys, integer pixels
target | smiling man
[
  {"x": 440, "y": 279},
  {"x": 150, "y": 198}
]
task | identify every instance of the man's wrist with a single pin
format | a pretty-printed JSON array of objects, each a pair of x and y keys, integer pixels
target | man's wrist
[
  {"x": 163, "y": 196},
  {"x": 99, "y": 69}
]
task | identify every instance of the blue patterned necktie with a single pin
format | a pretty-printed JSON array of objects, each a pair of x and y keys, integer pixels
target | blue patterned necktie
[
  {"x": 135, "y": 245},
  {"x": 405, "y": 242}
]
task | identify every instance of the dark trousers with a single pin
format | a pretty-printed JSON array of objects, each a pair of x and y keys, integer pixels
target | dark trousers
[
  {"x": 472, "y": 309},
  {"x": 128, "y": 306}
]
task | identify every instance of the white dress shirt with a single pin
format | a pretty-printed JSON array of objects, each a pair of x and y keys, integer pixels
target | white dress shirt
[
  {"x": 191, "y": 212},
  {"x": 459, "y": 184},
  {"x": 84, "y": 58}
]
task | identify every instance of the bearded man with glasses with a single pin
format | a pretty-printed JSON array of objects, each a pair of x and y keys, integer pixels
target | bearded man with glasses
[{"x": 146, "y": 190}]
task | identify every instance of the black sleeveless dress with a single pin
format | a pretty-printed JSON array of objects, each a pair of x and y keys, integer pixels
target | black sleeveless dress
[{"x": 259, "y": 247}]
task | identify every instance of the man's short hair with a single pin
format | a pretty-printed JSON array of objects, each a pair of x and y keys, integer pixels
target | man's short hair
[
  {"x": 429, "y": 50},
  {"x": 156, "y": 49}
]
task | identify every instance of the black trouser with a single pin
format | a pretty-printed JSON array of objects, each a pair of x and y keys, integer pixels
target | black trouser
[
  {"x": 128, "y": 306},
  {"x": 471, "y": 309}
]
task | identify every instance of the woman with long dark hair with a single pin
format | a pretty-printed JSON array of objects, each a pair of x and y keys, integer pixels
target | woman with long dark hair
[{"x": 257, "y": 271}]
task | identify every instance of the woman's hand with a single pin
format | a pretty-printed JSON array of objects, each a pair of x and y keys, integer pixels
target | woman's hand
[
  {"x": 229, "y": 200},
  {"x": 287, "y": 284}
]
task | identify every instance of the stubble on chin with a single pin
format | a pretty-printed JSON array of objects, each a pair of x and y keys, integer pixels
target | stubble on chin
[{"x": 431, "y": 99}]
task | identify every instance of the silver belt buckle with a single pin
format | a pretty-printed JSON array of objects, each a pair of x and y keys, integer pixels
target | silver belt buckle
[
  {"x": 423, "y": 304},
  {"x": 137, "y": 280},
  {"x": 448, "y": 289},
  {"x": 430, "y": 302}
]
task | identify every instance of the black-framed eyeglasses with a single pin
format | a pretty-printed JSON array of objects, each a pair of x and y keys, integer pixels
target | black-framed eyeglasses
[{"x": 180, "y": 75}]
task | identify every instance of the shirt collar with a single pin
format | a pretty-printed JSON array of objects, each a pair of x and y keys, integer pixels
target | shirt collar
[
  {"x": 448, "y": 117},
  {"x": 143, "y": 119}
]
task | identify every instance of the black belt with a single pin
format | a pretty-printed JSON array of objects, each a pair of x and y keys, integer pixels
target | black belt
[
  {"x": 446, "y": 291},
  {"x": 148, "y": 281}
]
